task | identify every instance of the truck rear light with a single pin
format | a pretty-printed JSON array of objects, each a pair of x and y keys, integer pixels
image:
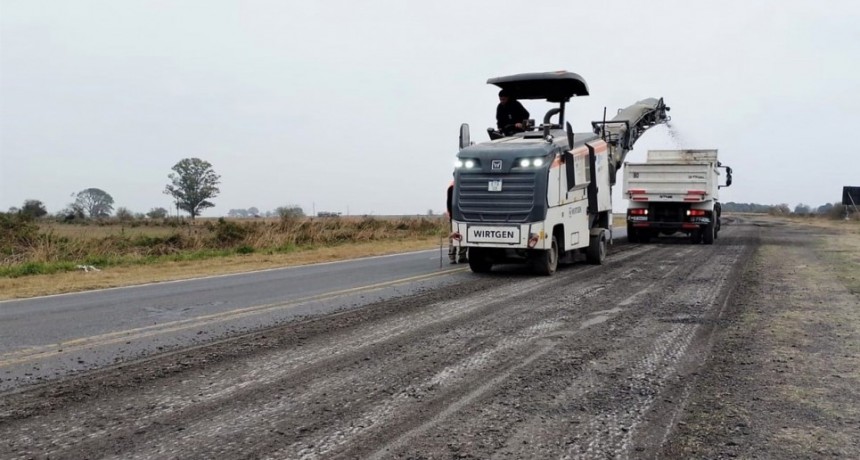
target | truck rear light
[
  {"x": 696, "y": 212},
  {"x": 638, "y": 212},
  {"x": 636, "y": 191},
  {"x": 533, "y": 240},
  {"x": 456, "y": 236}
]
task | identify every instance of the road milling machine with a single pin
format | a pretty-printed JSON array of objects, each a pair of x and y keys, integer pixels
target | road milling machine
[{"x": 543, "y": 196}]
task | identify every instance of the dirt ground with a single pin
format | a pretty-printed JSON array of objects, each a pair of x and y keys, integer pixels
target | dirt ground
[
  {"x": 747, "y": 348},
  {"x": 783, "y": 379}
]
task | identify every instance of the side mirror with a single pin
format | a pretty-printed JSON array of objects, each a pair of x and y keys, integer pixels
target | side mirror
[
  {"x": 728, "y": 177},
  {"x": 465, "y": 140}
]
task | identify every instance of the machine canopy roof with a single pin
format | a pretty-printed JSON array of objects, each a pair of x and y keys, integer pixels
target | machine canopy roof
[{"x": 551, "y": 86}]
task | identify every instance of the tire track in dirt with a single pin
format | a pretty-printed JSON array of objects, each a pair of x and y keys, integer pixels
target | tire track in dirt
[
  {"x": 596, "y": 371},
  {"x": 375, "y": 416},
  {"x": 444, "y": 434},
  {"x": 783, "y": 379},
  {"x": 611, "y": 432}
]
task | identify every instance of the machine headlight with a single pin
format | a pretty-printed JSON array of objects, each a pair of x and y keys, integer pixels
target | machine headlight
[
  {"x": 465, "y": 164},
  {"x": 530, "y": 162}
]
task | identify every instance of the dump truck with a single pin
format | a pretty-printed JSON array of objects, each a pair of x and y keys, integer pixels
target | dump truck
[
  {"x": 675, "y": 191},
  {"x": 543, "y": 196}
]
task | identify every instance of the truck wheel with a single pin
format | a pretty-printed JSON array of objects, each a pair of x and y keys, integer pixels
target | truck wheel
[
  {"x": 709, "y": 233},
  {"x": 478, "y": 261},
  {"x": 596, "y": 253},
  {"x": 632, "y": 236},
  {"x": 546, "y": 261}
]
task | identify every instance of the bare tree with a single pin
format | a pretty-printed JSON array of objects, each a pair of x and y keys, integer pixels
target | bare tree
[{"x": 193, "y": 183}]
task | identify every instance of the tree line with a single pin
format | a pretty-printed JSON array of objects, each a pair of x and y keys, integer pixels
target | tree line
[
  {"x": 831, "y": 209},
  {"x": 193, "y": 183}
]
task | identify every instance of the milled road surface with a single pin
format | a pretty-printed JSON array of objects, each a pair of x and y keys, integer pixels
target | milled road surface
[{"x": 594, "y": 362}]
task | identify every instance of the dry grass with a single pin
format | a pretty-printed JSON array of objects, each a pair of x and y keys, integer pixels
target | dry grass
[
  {"x": 94, "y": 232},
  {"x": 43, "y": 259}
]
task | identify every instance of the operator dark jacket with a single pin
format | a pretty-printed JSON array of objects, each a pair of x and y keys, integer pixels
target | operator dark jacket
[{"x": 510, "y": 113}]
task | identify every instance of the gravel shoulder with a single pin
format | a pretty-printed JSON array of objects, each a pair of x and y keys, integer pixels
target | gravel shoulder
[{"x": 783, "y": 375}]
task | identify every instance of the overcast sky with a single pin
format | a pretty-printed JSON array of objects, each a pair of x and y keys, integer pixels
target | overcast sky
[{"x": 354, "y": 106}]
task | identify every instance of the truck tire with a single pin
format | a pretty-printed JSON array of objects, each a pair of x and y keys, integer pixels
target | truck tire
[
  {"x": 709, "y": 233},
  {"x": 545, "y": 262},
  {"x": 596, "y": 252},
  {"x": 632, "y": 235},
  {"x": 478, "y": 261},
  {"x": 718, "y": 212},
  {"x": 717, "y": 229}
]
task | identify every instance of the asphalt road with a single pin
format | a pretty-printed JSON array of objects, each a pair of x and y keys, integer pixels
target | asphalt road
[
  {"x": 594, "y": 362},
  {"x": 48, "y": 337}
]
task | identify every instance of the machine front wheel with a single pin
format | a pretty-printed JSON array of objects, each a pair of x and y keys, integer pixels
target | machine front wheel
[
  {"x": 546, "y": 261},
  {"x": 596, "y": 253},
  {"x": 478, "y": 261}
]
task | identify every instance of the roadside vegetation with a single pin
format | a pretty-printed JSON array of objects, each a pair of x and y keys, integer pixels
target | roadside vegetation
[
  {"x": 31, "y": 243},
  {"x": 30, "y": 246}
]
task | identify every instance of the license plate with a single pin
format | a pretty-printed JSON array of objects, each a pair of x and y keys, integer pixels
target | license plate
[
  {"x": 637, "y": 218},
  {"x": 494, "y": 186}
]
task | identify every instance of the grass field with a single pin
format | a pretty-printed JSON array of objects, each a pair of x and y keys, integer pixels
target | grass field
[{"x": 34, "y": 248}]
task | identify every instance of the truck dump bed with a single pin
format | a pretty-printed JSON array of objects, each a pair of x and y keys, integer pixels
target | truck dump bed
[{"x": 673, "y": 175}]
